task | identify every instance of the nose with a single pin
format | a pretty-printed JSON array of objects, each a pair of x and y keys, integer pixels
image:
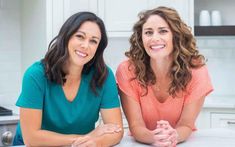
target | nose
[
  {"x": 85, "y": 44},
  {"x": 156, "y": 37}
]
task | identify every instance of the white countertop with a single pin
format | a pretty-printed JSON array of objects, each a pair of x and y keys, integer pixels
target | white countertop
[
  {"x": 202, "y": 138},
  {"x": 219, "y": 102}
]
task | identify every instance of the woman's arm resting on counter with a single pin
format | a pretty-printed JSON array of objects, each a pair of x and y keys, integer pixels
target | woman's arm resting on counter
[
  {"x": 187, "y": 120},
  {"x": 30, "y": 121},
  {"x": 111, "y": 116},
  {"x": 135, "y": 120}
]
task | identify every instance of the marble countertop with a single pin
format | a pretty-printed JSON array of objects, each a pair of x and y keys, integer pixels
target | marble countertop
[
  {"x": 220, "y": 102},
  {"x": 204, "y": 138}
]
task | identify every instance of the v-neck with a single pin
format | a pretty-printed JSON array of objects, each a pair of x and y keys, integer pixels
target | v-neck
[
  {"x": 156, "y": 98},
  {"x": 77, "y": 94}
]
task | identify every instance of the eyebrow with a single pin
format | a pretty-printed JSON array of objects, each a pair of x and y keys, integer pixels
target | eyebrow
[
  {"x": 160, "y": 28},
  {"x": 94, "y": 37}
]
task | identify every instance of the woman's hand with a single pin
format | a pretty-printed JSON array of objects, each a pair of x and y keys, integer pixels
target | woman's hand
[
  {"x": 105, "y": 129},
  {"x": 167, "y": 137},
  {"x": 91, "y": 140},
  {"x": 84, "y": 141},
  {"x": 161, "y": 138}
]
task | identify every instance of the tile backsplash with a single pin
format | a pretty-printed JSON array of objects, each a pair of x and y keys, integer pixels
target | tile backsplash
[{"x": 220, "y": 53}]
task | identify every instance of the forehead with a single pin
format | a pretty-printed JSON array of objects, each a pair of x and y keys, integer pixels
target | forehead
[
  {"x": 155, "y": 21},
  {"x": 90, "y": 28}
]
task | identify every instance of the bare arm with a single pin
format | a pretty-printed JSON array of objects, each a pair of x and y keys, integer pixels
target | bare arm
[
  {"x": 111, "y": 116},
  {"x": 188, "y": 118},
  {"x": 136, "y": 123},
  {"x": 30, "y": 120}
]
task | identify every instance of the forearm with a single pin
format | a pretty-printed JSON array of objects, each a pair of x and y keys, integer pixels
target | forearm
[
  {"x": 143, "y": 135},
  {"x": 48, "y": 138},
  {"x": 183, "y": 133},
  {"x": 108, "y": 140}
]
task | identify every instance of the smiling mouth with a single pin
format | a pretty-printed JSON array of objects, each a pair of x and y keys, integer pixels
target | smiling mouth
[
  {"x": 157, "y": 47},
  {"x": 81, "y": 54}
]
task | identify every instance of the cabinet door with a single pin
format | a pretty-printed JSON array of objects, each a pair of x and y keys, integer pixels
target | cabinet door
[
  {"x": 224, "y": 120},
  {"x": 120, "y": 15},
  {"x": 55, "y": 17},
  {"x": 59, "y": 10},
  {"x": 183, "y": 7}
]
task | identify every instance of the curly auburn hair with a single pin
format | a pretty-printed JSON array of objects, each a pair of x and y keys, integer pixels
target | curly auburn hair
[{"x": 185, "y": 53}]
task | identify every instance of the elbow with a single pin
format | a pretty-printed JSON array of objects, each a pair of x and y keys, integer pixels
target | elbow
[
  {"x": 30, "y": 141},
  {"x": 119, "y": 136}
]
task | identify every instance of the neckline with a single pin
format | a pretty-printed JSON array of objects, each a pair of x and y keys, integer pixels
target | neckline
[
  {"x": 77, "y": 94},
  {"x": 168, "y": 98}
]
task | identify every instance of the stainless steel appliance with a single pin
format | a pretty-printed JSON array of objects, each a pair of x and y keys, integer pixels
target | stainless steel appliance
[{"x": 8, "y": 122}]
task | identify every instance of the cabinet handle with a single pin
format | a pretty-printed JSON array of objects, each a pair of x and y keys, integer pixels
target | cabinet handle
[{"x": 231, "y": 122}]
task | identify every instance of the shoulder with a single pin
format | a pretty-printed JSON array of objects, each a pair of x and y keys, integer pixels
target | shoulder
[
  {"x": 36, "y": 70},
  {"x": 126, "y": 69},
  {"x": 200, "y": 72},
  {"x": 110, "y": 75},
  {"x": 124, "y": 64},
  {"x": 200, "y": 76}
]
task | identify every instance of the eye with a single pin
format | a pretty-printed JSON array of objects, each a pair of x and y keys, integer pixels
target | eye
[
  {"x": 79, "y": 36},
  {"x": 163, "y": 31},
  {"x": 148, "y": 33},
  {"x": 94, "y": 41}
]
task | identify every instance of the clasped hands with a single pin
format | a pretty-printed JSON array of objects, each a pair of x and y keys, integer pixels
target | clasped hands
[
  {"x": 164, "y": 135},
  {"x": 90, "y": 140}
]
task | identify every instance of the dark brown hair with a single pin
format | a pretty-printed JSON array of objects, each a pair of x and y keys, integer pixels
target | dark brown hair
[{"x": 57, "y": 53}]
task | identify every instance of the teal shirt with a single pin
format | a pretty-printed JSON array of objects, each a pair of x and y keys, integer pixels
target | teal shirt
[{"x": 59, "y": 114}]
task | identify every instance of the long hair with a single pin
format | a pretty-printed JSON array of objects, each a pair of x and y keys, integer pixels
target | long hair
[
  {"x": 57, "y": 53},
  {"x": 185, "y": 53}
]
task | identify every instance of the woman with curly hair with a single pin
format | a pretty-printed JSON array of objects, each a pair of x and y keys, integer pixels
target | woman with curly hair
[
  {"x": 63, "y": 94},
  {"x": 164, "y": 82}
]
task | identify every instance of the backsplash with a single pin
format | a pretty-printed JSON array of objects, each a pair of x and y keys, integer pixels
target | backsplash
[{"x": 220, "y": 52}]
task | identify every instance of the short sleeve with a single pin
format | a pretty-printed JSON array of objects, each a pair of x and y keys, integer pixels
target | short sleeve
[
  {"x": 200, "y": 85},
  {"x": 110, "y": 97},
  {"x": 33, "y": 86},
  {"x": 124, "y": 78}
]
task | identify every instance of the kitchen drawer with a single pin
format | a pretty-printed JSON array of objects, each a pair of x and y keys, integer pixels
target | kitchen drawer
[{"x": 222, "y": 120}]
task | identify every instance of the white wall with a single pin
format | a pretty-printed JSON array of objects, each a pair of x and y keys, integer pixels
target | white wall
[
  {"x": 10, "y": 51},
  {"x": 220, "y": 52},
  {"x": 114, "y": 53},
  {"x": 33, "y": 27},
  {"x": 22, "y": 42}
]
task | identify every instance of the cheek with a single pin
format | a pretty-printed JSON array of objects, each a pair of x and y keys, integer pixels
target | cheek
[
  {"x": 93, "y": 51},
  {"x": 145, "y": 41}
]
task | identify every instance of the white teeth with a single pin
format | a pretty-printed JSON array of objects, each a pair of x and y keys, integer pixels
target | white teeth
[
  {"x": 157, "y": 47},
  {"x": 81, "y": 54}
]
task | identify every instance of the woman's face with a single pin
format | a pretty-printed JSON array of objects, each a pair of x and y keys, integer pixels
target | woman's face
[
  {"x": 83, "y": 44},
  {"x": 157, "y": 37}
]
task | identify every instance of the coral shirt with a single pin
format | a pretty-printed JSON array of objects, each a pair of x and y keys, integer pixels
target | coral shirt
[{"x": 171, "y": 109}]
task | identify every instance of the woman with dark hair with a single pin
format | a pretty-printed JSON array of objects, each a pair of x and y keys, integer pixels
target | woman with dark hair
[
  {"x": 63, "y": 94},
  {"x": 164, "y": 82}
]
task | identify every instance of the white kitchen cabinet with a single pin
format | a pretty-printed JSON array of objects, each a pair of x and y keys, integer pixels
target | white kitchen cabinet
[
  {"x": 120, "y": 16},
  {"x": 224, "y": 120},
  {"x": 216, "y": 118}
]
